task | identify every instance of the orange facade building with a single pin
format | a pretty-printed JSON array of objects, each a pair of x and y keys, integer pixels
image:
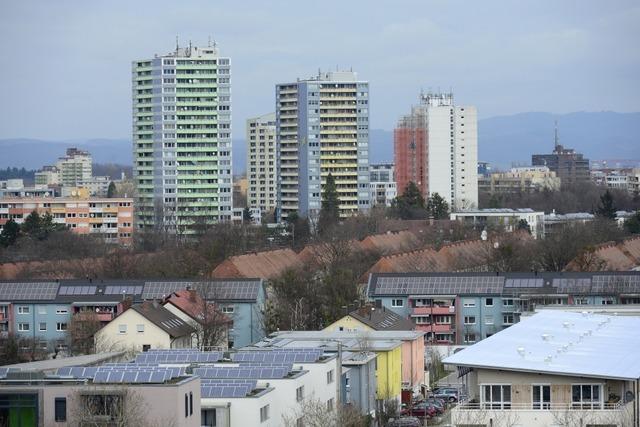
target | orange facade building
[
  {"x": 111, "y": 219},
  {"x": 410, "y": 151}
]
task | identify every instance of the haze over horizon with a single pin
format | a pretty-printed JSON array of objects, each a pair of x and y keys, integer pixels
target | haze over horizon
[{"x": 556, "y": 57}]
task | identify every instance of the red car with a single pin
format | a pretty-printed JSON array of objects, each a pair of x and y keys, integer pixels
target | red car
[{"x": 421, "y": 410}]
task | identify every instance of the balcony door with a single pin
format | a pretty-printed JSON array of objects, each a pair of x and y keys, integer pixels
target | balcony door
[{"x": 541, "y": 396}]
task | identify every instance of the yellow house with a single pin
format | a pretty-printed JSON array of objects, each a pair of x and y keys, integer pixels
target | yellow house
[
  {"x": 143, "y": 327},
  {"x": 371, "y": 318},
  {"x": 388, "y": 368},
  {"x": 348, "y": 323}
]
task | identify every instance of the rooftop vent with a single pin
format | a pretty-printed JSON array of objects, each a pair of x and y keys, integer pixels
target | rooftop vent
[
  {"x": 521, "y": 351},
  {"x": 546, "y": 337}
]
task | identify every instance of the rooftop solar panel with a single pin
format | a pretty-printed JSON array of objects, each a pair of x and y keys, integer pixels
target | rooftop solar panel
[
  {"x": 20, "y": 291},
  {"x": 123, "y": 289},
  {"x": 218, "y": 290},
  {"x": 437, "y": 285},
  {"x": 256, "y": 372}
]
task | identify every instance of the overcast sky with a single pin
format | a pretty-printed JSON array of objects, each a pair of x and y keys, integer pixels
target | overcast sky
[{"x": 65, "y": 65}]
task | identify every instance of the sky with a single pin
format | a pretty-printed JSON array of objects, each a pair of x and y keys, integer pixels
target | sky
[{"x": 65, "y": 65}]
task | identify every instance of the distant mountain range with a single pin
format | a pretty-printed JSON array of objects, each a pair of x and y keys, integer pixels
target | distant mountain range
[{"x": 503, "y": 141}]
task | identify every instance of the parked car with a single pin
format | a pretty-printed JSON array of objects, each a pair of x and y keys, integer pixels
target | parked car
[
  {"x": 421, "y": 410},
  {"x": 449, "y": 394},
  {"x": 405, "y": 422},
  {"x": 440, "y": 403}
]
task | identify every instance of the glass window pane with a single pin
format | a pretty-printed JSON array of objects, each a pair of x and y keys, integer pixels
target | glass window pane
[
  {"x": 495, "y": 393},
  {"x": 506, "y": 393},
  {"x": 575, "y": 393},
  {"x": 596, "y": 393},
  {"x": 546, "y": 393},
  {"x": 586, "y": 392},
  {"x": 536, "y": 393},
  {"x": 487, "y": 393}
]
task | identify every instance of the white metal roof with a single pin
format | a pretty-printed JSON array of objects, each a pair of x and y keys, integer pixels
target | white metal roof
[{"x": 561, "y": 343}]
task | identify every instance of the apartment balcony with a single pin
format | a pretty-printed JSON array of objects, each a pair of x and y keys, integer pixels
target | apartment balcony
[
  {"x": 435, "y": 328},
  {"x": 4, "y": 318},
  {"x": 610, "y": 414},
  {"x": 428, "y": 310}
]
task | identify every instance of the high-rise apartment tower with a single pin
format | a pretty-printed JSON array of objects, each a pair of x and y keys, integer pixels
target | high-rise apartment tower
[
  {"x": 322, "y": 128},
  {"x": 436, "y": 147},
  {"x": 261, "y": 162},
  {"x": 182, "y": 139}
]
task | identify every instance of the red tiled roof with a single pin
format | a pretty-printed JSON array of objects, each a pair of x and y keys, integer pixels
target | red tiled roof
[
  {"x": 611, "y": 256},
  {"x": 189, "y": 302},
  {"x": 264, "y": 265}
]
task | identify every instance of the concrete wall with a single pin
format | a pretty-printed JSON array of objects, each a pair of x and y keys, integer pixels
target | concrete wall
[{"x": 109, "y": 338}]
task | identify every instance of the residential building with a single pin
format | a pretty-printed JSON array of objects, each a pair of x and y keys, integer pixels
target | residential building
[
  {"x": 502, "y": 219},
  {"x": 484, "y": 169},
  {"x": 528, "y": 179},
  {"x": 73, "y": 168},
  {"x": 182, "y": 139},
  {"x": 111, "y": 219},
  {"x": 210, "y": 324},
  {"x": 571, "y": 167},
  {"x": 48, "y": 175},
  {"x": 104, "y": 395},
  {"x": 463, "y": 308},
  {"x": 553, "y": 368},
  {"x": 371, "y": 318},
  {"x": 15, "y": 188},
  {"x": 43, "y": 310},
  {"x": 143, "y": 327},
  {"x": 322, "y": 128},
  {"x": 554, "y": 222},
  {"x": 237, "y": 216},
  {"x": 436, "y": 147},
  {"x": 97, "y": 185},
  {"x": 627, "y": 179},
  {"x": 261, "y": 162},
  {"x": 382, "y": 184}
]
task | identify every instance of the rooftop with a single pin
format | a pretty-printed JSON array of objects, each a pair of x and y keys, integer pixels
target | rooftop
[
  {"x": 381, "y": 319},
  {"x": 561, "y": 343},
  {"x": 62, "y": 362},
  {"x": 163, "y": 318}
]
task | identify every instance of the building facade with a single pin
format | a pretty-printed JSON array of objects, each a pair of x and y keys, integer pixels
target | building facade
[
  {"x": 75, "y": 167},
  {"x": 382, "y": 184},
  {"x": 182, "y": 139},
  {"x": 571, "y": 167},
  {"x": 436, "y": 147},
  {"x": 520, "y": 180},
  {"x": 111, "y": 219},
  {"x": 261, "y": 162},
  {"x": 502, "y": 219},
  {"x": 322, "y": 128}
]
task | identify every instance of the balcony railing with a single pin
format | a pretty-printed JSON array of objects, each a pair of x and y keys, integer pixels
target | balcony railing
[
  {"x": 538, "y": 406},
  {"x": 435, "y": 328},
  {"x": 435, "y": 310}
]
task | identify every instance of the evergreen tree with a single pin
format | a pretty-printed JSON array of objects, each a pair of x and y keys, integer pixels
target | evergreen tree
[
  {"x": 111, "y": 191},
  {"x": 409, "y": 205},
  {"x": 437, "y": 207},
  {"x": 606, "y": 208},
  {"x": 632, "y": 224},
  {"x": 330, "y": 211},
  {"x": 31, "y": 225},
  {"x": 524, "y": 225},
  {"x": 246, "y": 215},
  {"x": 9, "y": 233}
]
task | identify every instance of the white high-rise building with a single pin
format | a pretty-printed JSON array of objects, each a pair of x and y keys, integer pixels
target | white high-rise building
[
  {"x": 261, "y": 162},
  {"x": 182, "y": 139},
  {"x": 322, "y": 128}
]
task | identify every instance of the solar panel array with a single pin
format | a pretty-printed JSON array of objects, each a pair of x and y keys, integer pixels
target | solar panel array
[
  {"x": 179, "y": 357},
  {"x": 124, "y": 373},
  {"x": 573, "y": 285},
  {"x": 4, "y": 371},
  {"x": 280, "y": 357},
  {"x": 123, "y": 289},
  {"x": 253, "y": 372},
  {"x": 77, "y": 290},
  {"x": 615, "y": 283},
  {"x": 77, "y": 372},
  {"x": 213, "y": 290},
  {"x": 524, "y": 283},
  {"x": 19, "y": 291},
  {"x": 438, "y": 285},
  {"x": 226, "y": 388}
]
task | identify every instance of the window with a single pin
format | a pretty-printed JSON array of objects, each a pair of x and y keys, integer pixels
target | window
[
  {"x": 468, "y": 302},
  {"x": 541, "y": 396},
  {"x": 23, "y": 327},
  {"x": 300, "y": 393},
  {"x": 581, "y": 301},
  {"x": 469, "y": 320},
  {"x": 43, "y": 326},
  {"x": 397, "y": 303},
  {"x": 228, "y": 309},
  {"x": 146, "y": 347},
  {"x": 488, "y": 302},
  {"x": 140, "y": 328},
  {"x": 190, "y": 403},
  {"x": 488, "y": 320},
  {"x": 496, "y": 396},
  {"x": 469, "y": 338},
  {"x": 507, "y": 302},
  {"x": 507, "y": 319},
  {"x": 186, "y": 405},
  {"x": 586, "y": 396},
  {"x": 42, "y": 309},
  {"x": 62, "y": 311},
  {"x": 122, "y": 329},
  {"x": 264, "y": 413},
  {"x": 60, "y": 409},
  {"x": 330, "y": 377},
  {"x": 24, "y": 309},
  {"x": 61, "y": 326},
  {"x": 330, "y": 405}
]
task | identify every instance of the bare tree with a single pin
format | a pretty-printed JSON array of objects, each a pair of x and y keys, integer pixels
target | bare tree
[
  {"x": 211, "y": 325},
  {"x": 316, "y": 413},
  {"x": 82, "y": 328},
  {"x": 102, "y": 406}
]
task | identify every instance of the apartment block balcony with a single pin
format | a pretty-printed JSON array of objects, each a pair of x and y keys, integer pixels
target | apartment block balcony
[
  {"x": 428, "y": 310},
  {"x": 4, "y": 318},
  {"x": 609, "y": 414},
  {"x": 435, "y": 328}
]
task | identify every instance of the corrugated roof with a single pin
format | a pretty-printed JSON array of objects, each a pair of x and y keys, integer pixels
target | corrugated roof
[{"x": 561, "y": 343}]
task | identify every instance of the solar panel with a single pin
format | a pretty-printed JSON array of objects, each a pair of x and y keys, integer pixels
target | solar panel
[
  {"x": 573, "y": 285},
  {"x": 437, "y": 285},
  {"x": 615, "y": 283},
  {"x": 256, "y": 372},
  {"x": 77, "y": 290},
  {"x": 218, "y": 290},
  {"x": 179, "y": 357},
  {"x": 226, "y": 389},
  {"x": 20, "y": 291},
  {"x": 524, "y": 283},
  {"x": 130, "y": 377},
  {"x": 123, "y": 289}
]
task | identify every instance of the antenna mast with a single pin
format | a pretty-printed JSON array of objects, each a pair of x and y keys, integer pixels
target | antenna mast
[{"x": 556, "y": 139}]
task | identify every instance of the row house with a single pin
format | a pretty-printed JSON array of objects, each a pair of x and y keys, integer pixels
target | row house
[
  {"x": 463, "y": 308},
  {"x": 42, "y": 311}
]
